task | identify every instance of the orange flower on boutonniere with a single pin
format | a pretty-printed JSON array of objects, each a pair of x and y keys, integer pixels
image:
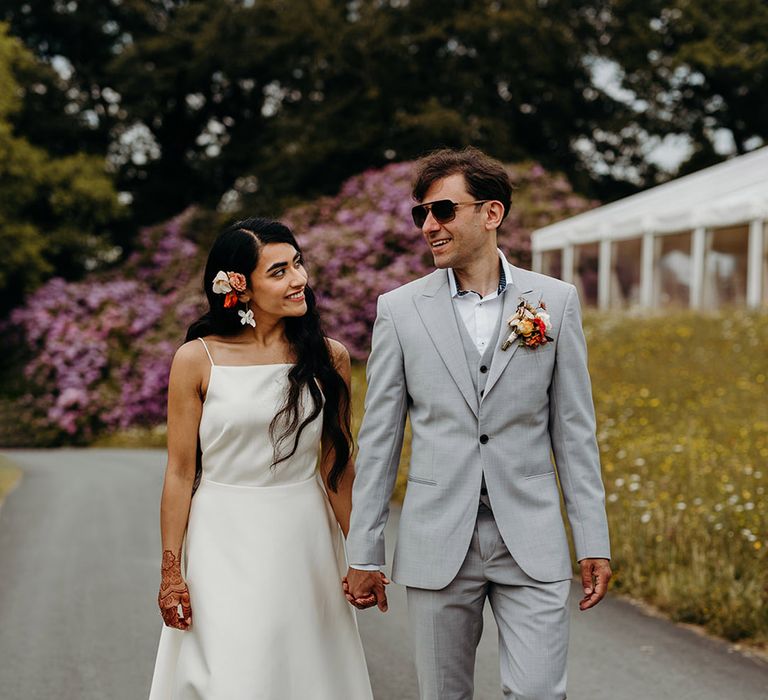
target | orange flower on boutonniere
[{"x": 530, "y": 324}]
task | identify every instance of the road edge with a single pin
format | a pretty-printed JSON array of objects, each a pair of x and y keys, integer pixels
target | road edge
[
  {"x": 10, "y": 477},
  {"x": 755, "y": 651}
]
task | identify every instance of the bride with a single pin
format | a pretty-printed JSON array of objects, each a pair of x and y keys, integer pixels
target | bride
[{"x": 259, "y": 432}]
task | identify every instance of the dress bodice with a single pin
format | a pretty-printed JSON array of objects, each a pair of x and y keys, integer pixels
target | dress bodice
[{"x": 239, "y": 406}]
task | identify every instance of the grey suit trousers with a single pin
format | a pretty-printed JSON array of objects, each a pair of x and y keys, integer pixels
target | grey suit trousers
[{"x": 532, "y": 618}]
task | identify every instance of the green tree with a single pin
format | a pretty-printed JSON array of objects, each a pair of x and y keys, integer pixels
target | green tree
[
  {"x": 274, "y": 101},
  {"x": 54, "y": 212},
  {"x": 284, "y": 100},
  {"x": 698, "y": 69}
]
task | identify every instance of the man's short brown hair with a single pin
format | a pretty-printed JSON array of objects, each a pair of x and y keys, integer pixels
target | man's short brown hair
[{"x": 485, "y": 177}]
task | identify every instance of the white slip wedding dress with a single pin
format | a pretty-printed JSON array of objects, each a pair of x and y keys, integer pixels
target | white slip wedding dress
[{"x": 264, "y": 558}]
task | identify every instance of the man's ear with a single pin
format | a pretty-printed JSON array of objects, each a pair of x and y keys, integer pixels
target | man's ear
[{"x": 495, "y": 214}]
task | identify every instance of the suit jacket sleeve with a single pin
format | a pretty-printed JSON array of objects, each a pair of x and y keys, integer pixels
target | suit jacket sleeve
[
  {"x": 380, "y": 441},
  {"x": 572, "y": 432}
]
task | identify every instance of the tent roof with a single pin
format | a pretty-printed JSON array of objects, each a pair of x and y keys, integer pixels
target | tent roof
[{"x": 732, "y": 192}]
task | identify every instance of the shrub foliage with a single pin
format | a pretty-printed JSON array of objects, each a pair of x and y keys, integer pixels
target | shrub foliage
[{"x": 98, "y": 351}]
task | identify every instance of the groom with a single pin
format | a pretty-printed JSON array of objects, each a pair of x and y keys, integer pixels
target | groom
[{"x": 481, "y": 517}]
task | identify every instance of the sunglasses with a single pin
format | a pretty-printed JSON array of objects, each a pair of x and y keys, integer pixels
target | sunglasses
[{"x": 443, "y": 210}]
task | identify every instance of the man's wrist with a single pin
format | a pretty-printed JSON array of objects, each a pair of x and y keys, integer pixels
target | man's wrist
[{"x": 365, "y": 567}]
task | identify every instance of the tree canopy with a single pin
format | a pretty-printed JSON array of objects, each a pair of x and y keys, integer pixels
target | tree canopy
[
  {"x": 695, "y": 68},
  {"x": 53, "y": 210},
  {"x": 266, "y": 103},
  {"x": 283, "y": 100}
]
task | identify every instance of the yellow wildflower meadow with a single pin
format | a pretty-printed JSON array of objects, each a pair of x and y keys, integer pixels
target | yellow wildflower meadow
[{"x": 682, "y": 422}]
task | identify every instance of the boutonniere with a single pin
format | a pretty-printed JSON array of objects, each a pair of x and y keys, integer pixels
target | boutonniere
[{"x": 530, "y": 324}]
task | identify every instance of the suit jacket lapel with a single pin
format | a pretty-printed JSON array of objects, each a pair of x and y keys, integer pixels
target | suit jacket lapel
[
  {"x": 501, "y": 357},
  {"x": 436, "y": 311}
]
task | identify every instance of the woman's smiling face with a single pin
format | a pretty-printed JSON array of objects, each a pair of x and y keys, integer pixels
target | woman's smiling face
[{"x": 278, "y": 281}]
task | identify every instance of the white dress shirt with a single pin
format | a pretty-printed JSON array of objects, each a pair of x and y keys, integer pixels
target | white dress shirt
[{"x": 481, "y": 315}]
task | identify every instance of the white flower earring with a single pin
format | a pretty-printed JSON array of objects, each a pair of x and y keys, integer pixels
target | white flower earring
[{"x": 246, "y": 317}]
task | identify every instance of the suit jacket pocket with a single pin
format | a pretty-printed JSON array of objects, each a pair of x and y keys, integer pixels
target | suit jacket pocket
[
  {"x": 419, "y": 480},
  {"x": 541, "y": 353},
  {"x": 533, "y": 477}
]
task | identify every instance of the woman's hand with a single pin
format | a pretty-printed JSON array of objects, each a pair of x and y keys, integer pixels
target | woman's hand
[
  {"x": 174, "y": 592},
  {"x": 364, "y": 589}
]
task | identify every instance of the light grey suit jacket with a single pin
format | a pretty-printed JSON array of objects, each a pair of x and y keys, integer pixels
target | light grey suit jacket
[{"x": 537, "y": 402}]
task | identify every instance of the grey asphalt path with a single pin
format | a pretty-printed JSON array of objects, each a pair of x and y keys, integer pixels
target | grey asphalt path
[
  {"x": 79, "y": 574},
  {"x": 79, "y": 549}
]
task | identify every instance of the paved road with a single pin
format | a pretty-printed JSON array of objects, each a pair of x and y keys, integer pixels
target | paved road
[{"x": 78, "y": 577}]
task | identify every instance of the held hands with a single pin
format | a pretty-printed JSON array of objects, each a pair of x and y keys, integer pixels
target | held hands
[
  {"x": 364, "y": 589},
  {"x": 595, "y": 574},
  {"x": 174, "y": 592}
]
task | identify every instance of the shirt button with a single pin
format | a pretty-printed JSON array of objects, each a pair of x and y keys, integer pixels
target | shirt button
[
  {"x": 483, "y": 439},
  {"x": 483, "y": 369}
]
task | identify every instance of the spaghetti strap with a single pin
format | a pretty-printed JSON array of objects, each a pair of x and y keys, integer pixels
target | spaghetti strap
[{"x": 207, "y": 352}]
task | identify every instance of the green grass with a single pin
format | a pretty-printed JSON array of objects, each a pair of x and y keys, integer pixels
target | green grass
[
  {"x": 9, "y": 476},
  {"x": 683, "y": 430},
  {"x": 682, "y": 421},
  {"x": 134, "y": 437}
]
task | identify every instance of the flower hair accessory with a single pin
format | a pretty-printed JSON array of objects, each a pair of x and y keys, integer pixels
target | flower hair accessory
[
  {"x": 530, "y": 324},
  {"x": 230, "y": 283}
]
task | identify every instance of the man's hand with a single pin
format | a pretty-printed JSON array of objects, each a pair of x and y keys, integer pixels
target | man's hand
[
  {"x": 595, "y": 574},
  {"x": 359, "y": 603},
  {"x": 363, "y": 589}
]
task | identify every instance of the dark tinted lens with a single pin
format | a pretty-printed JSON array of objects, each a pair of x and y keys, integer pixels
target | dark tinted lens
[
  {"x": 419, "y": 214},
  {"x": 443, "y": 211}
]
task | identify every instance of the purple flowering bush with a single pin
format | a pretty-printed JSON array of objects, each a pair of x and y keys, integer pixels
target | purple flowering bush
[
  {"x": 362, "y": 242},
  {"x": 99, "y": 350},
  {"x": 96, "y": 353}
]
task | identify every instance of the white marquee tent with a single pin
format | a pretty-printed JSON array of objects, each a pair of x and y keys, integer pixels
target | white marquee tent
[{"x": 697, "y": 241}]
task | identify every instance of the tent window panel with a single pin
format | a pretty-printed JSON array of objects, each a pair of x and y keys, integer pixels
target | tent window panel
[
  {"x": 725, "y": 267},
  {"x": 673, "y": 270},
  {"x": 586, "y": 261},
  {"x": 552, "y": 263},
  {"x": 626, "y": 257}
]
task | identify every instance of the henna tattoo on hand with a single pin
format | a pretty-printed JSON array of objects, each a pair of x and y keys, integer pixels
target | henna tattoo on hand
[
  {"x": 173, "y": 592},
  {"x": 171, "y": 569}
]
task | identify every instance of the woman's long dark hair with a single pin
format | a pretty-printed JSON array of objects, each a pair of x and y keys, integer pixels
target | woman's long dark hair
[{"x": 237, "y": 249}]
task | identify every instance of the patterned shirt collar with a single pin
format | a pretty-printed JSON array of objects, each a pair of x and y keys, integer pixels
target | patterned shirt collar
[{"x": 504, "y": 275}]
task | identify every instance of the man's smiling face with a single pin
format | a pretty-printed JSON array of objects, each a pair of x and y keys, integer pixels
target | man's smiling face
[{"x": 456, "y": 243}]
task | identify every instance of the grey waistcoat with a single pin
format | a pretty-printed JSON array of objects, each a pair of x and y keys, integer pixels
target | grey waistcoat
[{"x": 477, "y": 363}]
